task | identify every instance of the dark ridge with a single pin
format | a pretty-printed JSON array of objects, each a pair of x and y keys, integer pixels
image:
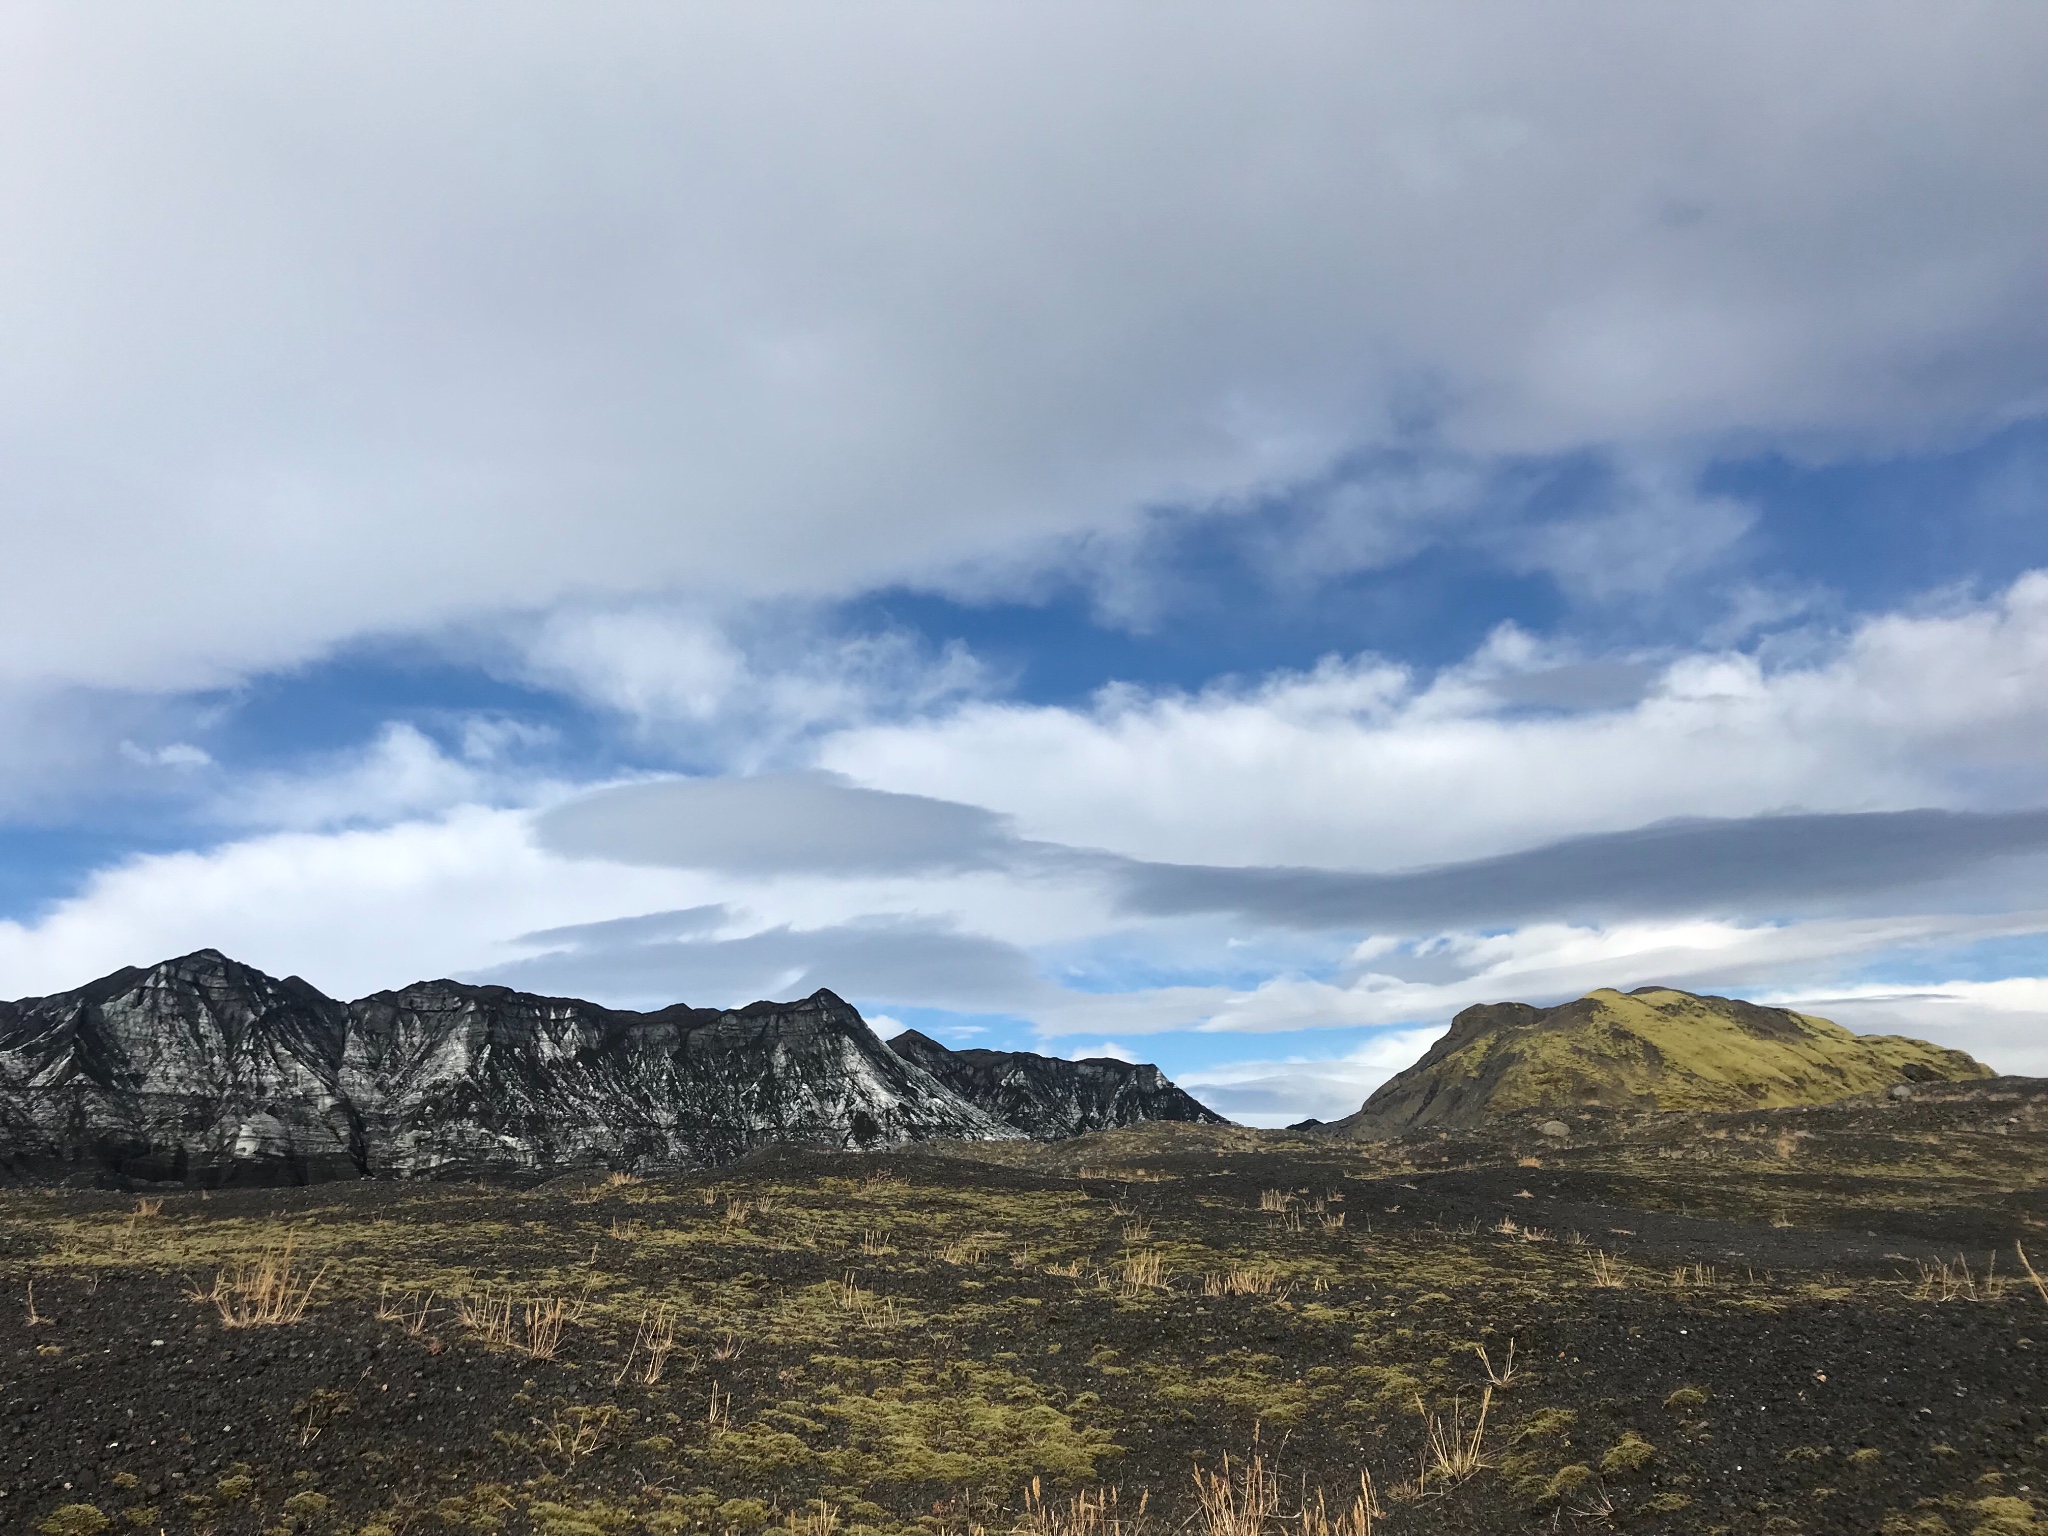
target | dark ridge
[
  {"x": 1048, "y": 1097},
  {"x": 202, "y": 1070}
]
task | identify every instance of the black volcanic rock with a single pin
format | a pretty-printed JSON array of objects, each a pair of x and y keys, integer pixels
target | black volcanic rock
[
  {"x": 202, "y": 1068},
  {"x": 1048, "y": 1097}
]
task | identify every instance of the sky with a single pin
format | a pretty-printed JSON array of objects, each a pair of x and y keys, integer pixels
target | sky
[{"x": 1195, "y": 533}]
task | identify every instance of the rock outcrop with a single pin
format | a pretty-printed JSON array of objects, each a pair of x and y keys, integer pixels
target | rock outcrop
[
  {"x": 203, "y": 1069},
  {"x": 1653, "y": 1048},
  {"x": 1048, "y": 1097}
]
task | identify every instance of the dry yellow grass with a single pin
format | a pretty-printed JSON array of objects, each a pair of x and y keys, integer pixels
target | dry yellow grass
[
  {"x": 409, "y": 1309},
  {"x": 1316, "y": 1519},
  {"x": 1142, "y": 1270},
  {"x": 1244, "y": 1502},
  {"x": 1244, "y": 1282},
  {"x": 2028, "y": 1266},
  {"x": 1090, "y": 1512},
  {"x": 268, "y": 1291},
  {"x": 1944, "y": 1281},
  {"x": 1449, "y": 1454},
  {"x": 534, "y": 1328},
  {"x": 653, "y": 1342},
  {"x": 1608, "y": 1274},
  {"x": 1504, "y": 1376}
]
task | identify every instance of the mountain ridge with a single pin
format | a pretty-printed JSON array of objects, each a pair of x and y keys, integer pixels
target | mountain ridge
[
  {"x": 202, "y": 1068},
  {"x": 1050, "y": 1097}
]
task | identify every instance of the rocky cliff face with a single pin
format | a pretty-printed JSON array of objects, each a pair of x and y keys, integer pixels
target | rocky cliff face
[
  {"x": 1653, "y": 1048},
  {"x": 1047, "y": 1097},
  {"x": 203, "y": 1069}
]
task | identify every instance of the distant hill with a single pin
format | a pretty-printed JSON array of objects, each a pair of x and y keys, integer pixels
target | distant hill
[
  {"x": 1654, "y": 1048},
  {"x": 1047, "y": 1097}
]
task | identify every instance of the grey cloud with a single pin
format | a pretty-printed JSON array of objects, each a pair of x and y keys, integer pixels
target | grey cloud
[
  {"x": 1580, "y": 685},
  {"x": 662, "y": 958},
  {"x": 778, "y": 824},
  {"x": 1758, "y": 866}
]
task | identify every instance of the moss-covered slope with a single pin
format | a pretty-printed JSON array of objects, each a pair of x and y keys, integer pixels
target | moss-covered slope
[{"x": 1654, "y": 1048}]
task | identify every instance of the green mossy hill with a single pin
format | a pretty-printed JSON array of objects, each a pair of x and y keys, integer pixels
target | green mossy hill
[{"x": 1654, "y": 1048}]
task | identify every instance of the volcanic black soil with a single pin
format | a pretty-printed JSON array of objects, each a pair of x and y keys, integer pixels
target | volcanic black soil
[{"x": 1804, "y": 1321}]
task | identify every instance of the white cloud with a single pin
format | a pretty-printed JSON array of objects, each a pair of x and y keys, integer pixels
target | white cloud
[
  {"x": 1107, "y": 1048},
  {"x": 1276, "y": 1093},
  {"x": 401, "y": 774},
  {"x": 179, "y": 754},
  {"x": 325, "y": 323},
  {"x": 1359, "y": 763},
  {"x": 2003, "y": 1023},
  {"x": 740, "y": 688}
]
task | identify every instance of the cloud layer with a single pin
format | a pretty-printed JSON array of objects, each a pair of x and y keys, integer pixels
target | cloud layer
[{"x": 325, "y": 324}]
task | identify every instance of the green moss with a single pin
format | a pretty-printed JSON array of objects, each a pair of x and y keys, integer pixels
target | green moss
[
  {"x": 2005, "y": 1515},
  {"x": 966, "y": 1426},
  {"x": 592, "y": 1519},
  {"x": 73, "y": 1520},
  {"x": 1547, "y": 1423},
  {"x": 743, "y": 1515},
  {"x": 1246, "y": 1382},
  {"x": 1567, "y": 1481},
  {"x": 1686, "y": 1398},
  {"x": 1630, "y": 1454}
]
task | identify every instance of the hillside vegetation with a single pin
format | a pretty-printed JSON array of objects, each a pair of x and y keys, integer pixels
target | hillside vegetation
[{"x": 1656, "y": 1048}]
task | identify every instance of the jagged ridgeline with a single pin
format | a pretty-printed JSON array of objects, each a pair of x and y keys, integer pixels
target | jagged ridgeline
[
  {"x": 1653, "y": 1048},
  {"x": 203, "y": 1069}
]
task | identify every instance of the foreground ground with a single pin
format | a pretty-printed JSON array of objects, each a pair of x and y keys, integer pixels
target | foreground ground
[{"x": 1805, "y": 1321}]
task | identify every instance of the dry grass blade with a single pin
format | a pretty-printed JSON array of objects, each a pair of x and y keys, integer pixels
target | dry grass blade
[
  {"x": 411, "y": 1311},
  {"x": 718, "y": 1412},
  {"x": 2028, "y": 1265},
  {"x": 1144, "y": 1270},
  {"x": 546, "y": 1317},
  {"x": 574, "y": 1433},
  {"x": 488, "y": 1316},
  {"x": 731, "y": 1347},
  {"x": 534, "y": 1328},
  {"x": 1241, "y": 1503},
  {"x": 1505, "y": 1376},
  {"x": 1275, "y": 1200},
  {"x": 1355, "y": 1521},
  {"x": 1449, "y": 1454},
  {"x": 35, "y": 1318},
  {"x": 1091, "y": 1512},
  {"x": 1138, "y": 1229},
  {"x": 1943, "y": 1281},
  {"x": 1245, "y": 1282},
  {"x": 266, "y": 1292},
  {"x": 1608, "y": 1274},
  {"x": 818, "y": 1518}
]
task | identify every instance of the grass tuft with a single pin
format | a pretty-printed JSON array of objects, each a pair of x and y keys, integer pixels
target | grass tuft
[{"x": 265, "y": 1292}]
